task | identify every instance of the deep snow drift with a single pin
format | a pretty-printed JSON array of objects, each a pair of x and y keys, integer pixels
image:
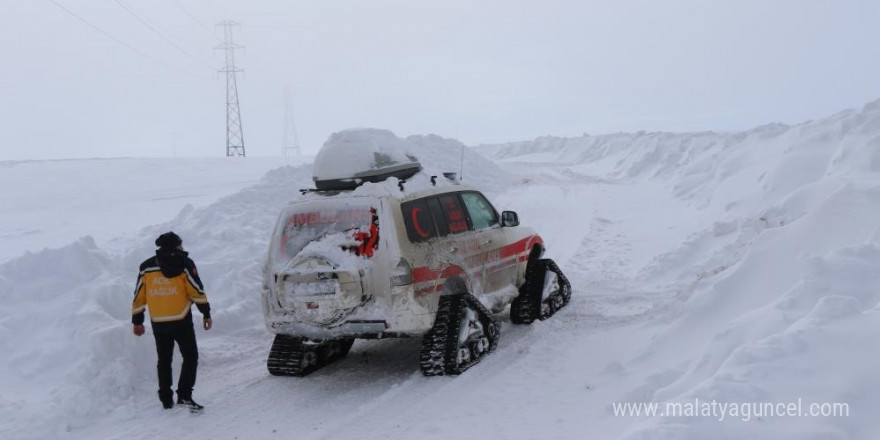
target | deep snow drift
[
  {"x": 736, "y": 267},
  {"x": 778, "y": 278}
]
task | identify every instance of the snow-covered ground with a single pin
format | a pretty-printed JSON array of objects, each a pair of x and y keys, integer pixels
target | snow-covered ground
[
  {"x": 46, "y": 203},
  {"x": 737, "y": 267}
]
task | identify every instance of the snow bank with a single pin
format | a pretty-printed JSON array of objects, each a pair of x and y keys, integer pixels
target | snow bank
[
  {"x": 441, "y": 155},
  {"x": 65, "y": 327},
  {"x": 106, "y": 198},
  {"x": 62, "y": 334},
  {"x": 778, "y": 280}
]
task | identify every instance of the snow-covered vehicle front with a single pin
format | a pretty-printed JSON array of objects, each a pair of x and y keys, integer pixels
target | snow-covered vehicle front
[{"x": 408, "y": 253}]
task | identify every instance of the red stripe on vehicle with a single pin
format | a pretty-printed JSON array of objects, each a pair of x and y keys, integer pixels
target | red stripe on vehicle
[
  {"x": 423, "y": 274},
  {"x": 524, "y": 245}
]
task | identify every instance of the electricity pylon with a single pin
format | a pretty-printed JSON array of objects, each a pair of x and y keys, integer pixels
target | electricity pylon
[
  {"x": 289, "y": 135},
  {"x": 234, "y": 133}
]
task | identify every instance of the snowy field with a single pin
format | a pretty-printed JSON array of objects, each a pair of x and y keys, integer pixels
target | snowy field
[
  {"x": 739, "y": 268},
  {"x": 48, "y": 203}
]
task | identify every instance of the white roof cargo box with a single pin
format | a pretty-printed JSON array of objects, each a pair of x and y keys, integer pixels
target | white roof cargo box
[{"x": 352, "y": 157}]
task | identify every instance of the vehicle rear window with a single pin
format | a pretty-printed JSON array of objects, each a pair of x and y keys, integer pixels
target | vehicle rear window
[{"x": 305, "y": 224}]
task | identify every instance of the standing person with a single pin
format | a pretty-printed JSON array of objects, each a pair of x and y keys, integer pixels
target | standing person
[{"x": 167, "y": 285}]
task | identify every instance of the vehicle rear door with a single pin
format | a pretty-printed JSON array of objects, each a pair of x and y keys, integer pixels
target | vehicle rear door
[{"x": 437, "y": 228}]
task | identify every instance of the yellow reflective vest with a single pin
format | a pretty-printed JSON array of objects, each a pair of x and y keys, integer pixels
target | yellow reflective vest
[{"x": 167, "y": 299}]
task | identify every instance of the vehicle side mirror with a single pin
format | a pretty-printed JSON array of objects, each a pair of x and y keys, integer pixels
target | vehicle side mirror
[{"x": 509, "y": 218}]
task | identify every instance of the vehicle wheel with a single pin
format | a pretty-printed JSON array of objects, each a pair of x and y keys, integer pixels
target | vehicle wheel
[{"x": 463, "y": 333}]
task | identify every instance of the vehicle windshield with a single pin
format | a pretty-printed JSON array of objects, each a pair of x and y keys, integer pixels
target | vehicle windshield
[{"x": 305, "y": 223}]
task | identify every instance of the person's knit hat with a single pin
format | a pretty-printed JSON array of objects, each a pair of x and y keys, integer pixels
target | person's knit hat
[{"x": 168, "y": 240}]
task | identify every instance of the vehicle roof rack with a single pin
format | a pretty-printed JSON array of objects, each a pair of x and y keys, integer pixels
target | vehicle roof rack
[
  {"x": 452, "y": 177},
  {"x": 329, "y": 192},
  {"x": 402, "y": 172}
]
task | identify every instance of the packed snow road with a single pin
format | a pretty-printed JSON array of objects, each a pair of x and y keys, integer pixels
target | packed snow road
[{"x": 548, "y": 380}]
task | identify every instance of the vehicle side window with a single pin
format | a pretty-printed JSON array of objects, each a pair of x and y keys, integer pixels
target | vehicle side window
[
  {"x": 418, "y": 220},
  {"x": 453, "y": 213},
  {"x": 439, "y": 218},
  {"x": 483, "y": 215}
]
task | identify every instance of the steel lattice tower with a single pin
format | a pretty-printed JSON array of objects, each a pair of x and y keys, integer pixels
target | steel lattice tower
[
  {"x": 289, "y": 129},
  {"x": 234, "y": 133}
]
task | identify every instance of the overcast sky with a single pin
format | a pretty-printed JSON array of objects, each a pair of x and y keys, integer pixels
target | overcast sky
[{"x": 482, "y": 71}]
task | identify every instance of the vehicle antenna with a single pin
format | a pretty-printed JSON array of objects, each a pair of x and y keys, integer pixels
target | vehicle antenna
[{"x": 461, "y": 167}]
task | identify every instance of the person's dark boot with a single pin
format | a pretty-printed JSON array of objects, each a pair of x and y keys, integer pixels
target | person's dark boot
[
  {"x": 191, "y": 404},
  {"x": 167, "y": 399}
]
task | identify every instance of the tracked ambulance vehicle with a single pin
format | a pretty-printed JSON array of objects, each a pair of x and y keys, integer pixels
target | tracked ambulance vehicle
[{"x": 381, "y": 248}]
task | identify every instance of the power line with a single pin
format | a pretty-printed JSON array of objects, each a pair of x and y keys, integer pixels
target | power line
[
  {"x": 192, "y": 17},
  {"x": 123, "y": 43},
  {"x": 160, "y": 34}
]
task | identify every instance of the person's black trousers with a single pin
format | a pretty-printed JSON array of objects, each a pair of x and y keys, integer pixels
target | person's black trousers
[{"x": 185, "y": 337}]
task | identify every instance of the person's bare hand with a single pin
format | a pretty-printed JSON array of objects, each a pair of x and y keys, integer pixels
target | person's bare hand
[
  {"x": 138, "y": 329},
  {"x": 206, "y": 323}
]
